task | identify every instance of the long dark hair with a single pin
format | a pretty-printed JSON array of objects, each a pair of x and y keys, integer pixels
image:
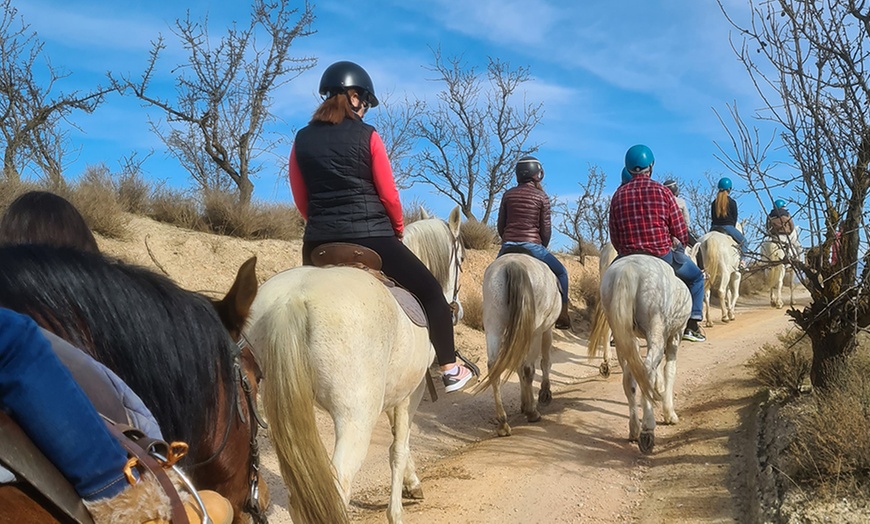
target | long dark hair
[
  {"x": 167, "y": 344},
  {"x": 40, "y": 217}
]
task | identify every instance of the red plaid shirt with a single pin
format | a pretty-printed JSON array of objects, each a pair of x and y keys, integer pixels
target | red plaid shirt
[{"x": 644, "y": 215}]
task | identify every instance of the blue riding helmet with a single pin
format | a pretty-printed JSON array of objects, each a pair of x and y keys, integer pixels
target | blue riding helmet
[
  {"x": 638, "y": 158},
  {"x": 626, "y": 176},
  {"x": 779, "y": 203},
  {"x": 725, "y": 184}
]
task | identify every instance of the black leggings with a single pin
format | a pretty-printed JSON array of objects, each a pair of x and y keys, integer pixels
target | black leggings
[{"x": 400, "y": 264}]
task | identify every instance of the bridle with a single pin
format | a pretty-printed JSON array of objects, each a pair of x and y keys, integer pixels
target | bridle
[{"x": 252, "y": 501}]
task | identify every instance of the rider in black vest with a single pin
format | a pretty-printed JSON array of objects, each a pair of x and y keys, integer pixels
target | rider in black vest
[{"x": 343, "y": 186}]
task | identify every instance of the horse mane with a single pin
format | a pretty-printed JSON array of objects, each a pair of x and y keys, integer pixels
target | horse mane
[
  {"x": 166, "y": 343},
  {"x": 426, "y": 239}
]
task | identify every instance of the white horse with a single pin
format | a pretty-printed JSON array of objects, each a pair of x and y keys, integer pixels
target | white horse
[
  {"x": 336, "y": 337},
  {"x": 521, "y": 303},
  {"x": 426, "y": 238},
  {"x": 642, "y": 297},
  {"x": 721, "y": 258},
  {"x": 773, "y": 254},
  {"x": 607, "y": 256}
]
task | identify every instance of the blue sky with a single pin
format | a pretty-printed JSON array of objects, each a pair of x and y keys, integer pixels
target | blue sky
[{"x": 609, "y": 74}]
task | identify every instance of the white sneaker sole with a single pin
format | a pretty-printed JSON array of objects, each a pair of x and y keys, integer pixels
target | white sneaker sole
[{"x": 458, "y": 385}]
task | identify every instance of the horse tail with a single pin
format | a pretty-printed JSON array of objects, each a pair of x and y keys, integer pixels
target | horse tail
[
  {"x": 710, "y": 252},
  {"x": 599, "y": 329},
  {"x": 517, "y": 336},
  {"x": 622, "y": 319},
  {"x": 280, "y": 337}
]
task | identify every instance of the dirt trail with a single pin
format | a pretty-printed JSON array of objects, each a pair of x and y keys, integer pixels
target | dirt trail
[{"x": 576, "y": 464}]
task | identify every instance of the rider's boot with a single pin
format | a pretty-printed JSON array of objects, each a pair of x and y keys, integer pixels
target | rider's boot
[
  {"x": 564, "y": 320},
  {"x": 145, "y": 502}
]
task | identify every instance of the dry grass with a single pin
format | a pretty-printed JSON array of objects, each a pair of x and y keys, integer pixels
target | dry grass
[
  {"x": 831, "y": 447},
  {"x": 784, "y": 365},
  {"x": 478, "y": 235},
  {"x": 413, "y": 211},
  {"x": 472, "y": 308},
  {"x": 175, "y": 207},
  {"x": 96, "y": 198},
  {"x": 134, "y": 192},
  {"x": 753, "y": 281},
  {"x": 585, "y": 286}
]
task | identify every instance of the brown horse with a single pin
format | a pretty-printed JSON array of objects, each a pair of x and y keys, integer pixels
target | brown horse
[{"x": 176, "y": 349}]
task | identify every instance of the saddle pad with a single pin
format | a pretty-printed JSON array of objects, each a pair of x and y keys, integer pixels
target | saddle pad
[{"x": 410, "y": 304}]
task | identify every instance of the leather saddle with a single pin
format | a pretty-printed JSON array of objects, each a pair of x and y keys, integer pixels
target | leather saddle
[{"x": 361, "y": 257}]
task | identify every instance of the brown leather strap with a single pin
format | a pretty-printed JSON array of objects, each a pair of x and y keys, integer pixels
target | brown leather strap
[
  {"x": 345, "y": 254},
  {"x": 178, "y": 514}
]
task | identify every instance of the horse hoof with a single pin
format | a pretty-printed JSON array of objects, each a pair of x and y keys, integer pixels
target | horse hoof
[
  {"x": 545, "y": 396},
  {"x": 708, "y": 324},
  {"x": 504, "y": 430},
  {"x": 415, "y": 493},
  {"x": 725, "y": 320},
  {"x": 647, "y": 442},
  {"x": 534, "y": 416},
  {"x": 671, "y": 419},
  {"x": 604, "y": 369}
]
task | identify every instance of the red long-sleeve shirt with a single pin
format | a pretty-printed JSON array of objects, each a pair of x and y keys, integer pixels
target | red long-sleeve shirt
[
  {"x": 382, "y": 178},
  {"x": 644, "y": 215}
]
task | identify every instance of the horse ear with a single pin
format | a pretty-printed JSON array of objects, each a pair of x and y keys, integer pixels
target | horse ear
[
  {"x": 235, "y": 306},
  {"x": 455, "y": 220},
  {"x": 424, "y": 215}
]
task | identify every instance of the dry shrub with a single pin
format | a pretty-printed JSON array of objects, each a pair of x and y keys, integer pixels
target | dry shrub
[
  {"x": 413, "y": 211},
  {"x": 223, "y": 214},
  {"x": 95, "y": 197},
  {"x": 585, "y": 248},
  {"x": 586, "y": 287},
  {"x": 133, "y": 192},
  {"x": 784, "y": 365},
  {"x": 753, "y": 281},
  {"x": 477, "y": 235},
  {"x": 279, "y": 222},
  {"x": 831, "y": 446},
  {"x": 472, "y": 309},
  {"x": 174, "y": 207}
]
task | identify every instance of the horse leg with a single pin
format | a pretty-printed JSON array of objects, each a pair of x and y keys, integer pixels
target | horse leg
[
  {"x": 412, "y": 489},
  {"x": 399, "y": 455},
  {"x": 630, "y": 388},
  {"x": 504, "y": 429},
  {"x": 707, "y": 288},
  {"x": 545, "y": 395},
  {"x": 723, "y": 297},
  {"x": 352, "y": 438},
  {"x": 735, "y": 294},
  {"x": 670, "y": 373},
  {"x": 527, "y": 398},
  {"x": 604, "y": 368}
]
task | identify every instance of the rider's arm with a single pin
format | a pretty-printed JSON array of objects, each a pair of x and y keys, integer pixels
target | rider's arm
[
  {"x": 676, "y": 222},
  {"x": 297, "y": 185},
  {"x": 545, "y": 226},
  {"x": 385, "y": 184},
  {"x": 502, "y": 217}
]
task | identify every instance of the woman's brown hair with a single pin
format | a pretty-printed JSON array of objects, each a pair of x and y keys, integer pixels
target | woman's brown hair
[
  {"x": 722, "y": 203},
  {"x": 335, "y": 108},
  {"x": 40, "y": 217}
]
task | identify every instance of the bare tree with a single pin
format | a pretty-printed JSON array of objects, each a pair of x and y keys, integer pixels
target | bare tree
[
  {"x": 396, "y": 123},
  {"x": 809, "y": 61},
  {"x": 32, "y": 114},
  {"x": 586, "y": 218},
  {"x": 223, "y": 92},
  {"x": 475, "y": 132}
]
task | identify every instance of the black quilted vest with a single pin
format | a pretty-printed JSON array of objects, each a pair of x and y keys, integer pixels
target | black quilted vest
[{"x": 336, "y": 164}]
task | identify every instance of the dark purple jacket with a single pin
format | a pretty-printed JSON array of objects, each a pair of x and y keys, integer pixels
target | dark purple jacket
[{"x": 524, "y": 215}]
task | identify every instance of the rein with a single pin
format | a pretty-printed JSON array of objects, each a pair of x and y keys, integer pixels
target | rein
[
  {"x": 457, "y": 269},
  {"x": 252, "y": 501}
]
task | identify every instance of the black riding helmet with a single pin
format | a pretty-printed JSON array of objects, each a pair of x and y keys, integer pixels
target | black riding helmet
[
  {"x": 341, "y": 76},
  {"x": 672, "y": 185},
  {"x": 528, "y": 169}
]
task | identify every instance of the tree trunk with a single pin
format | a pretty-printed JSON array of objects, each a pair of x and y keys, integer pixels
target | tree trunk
[
  {"x": 9, "y": 171},
  {"x": 834, "y": 342},
  {"x": 246, "y": 191}
]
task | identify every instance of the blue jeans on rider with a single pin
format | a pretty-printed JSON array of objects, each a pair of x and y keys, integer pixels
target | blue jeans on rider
[
  {"x": 542, "y": 254},
  {"x": 39, "y": 393},
  {"x": 688, "y": 272},
  {"x": 737, "y": 236}
]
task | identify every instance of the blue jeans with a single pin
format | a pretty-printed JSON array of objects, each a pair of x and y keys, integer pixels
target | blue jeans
[
  {"x": 39, "y": 393},
  {"x": 541, "y": 253},
  {"x": 736, "y": 235},
  {"x": 688, "y": 272}
]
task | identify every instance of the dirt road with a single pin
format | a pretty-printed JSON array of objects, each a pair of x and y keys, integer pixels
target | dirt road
[{"x": 576, "y": 464}]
